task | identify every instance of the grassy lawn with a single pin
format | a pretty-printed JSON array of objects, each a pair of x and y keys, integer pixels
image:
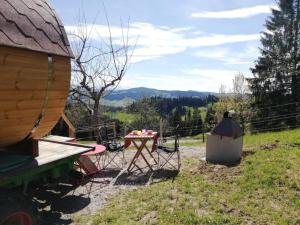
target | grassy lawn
[
  {"x": 290, "y": 137},
  {"x": 122, "y": 116},
  {"x": 284, "y": 137},
  {"x": 194, "y": 141},
  {"x": 263, "y": 189},
  {"x": 87, "y": 142}
]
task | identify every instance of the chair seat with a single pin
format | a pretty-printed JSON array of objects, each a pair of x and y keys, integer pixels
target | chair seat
[
  {"x": 114, "y": 147},
  {"x": 166, "y": 149}
]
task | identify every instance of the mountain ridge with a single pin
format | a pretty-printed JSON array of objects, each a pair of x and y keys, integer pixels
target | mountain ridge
[{"x": 140, "y": 92}]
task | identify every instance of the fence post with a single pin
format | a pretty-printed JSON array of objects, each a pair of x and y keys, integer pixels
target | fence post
[
  {"x": 203, "y": 137},
  {"x": 115, "y": 129},
  {"x": 161, "y": 128},
  {"x": 125, "y": 130}
]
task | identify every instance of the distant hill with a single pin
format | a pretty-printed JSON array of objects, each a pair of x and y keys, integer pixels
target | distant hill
[{"x": 138, "y": 93}]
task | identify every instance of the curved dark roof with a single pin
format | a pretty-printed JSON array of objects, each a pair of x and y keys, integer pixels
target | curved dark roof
[
  {"x": 33, "y": 25},
  {"x": 228, "y": 128}
]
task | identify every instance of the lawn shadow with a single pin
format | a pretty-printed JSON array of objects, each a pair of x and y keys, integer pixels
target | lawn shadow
[
  {"x": 109, "y": 173},
  {"x": 163, "y": 175},
  {"x": 53, "y": 201},
  {"x": 145, "y": 178},
  {"x": 71, "y": 195},
  {"x": 133, "y": 178}
]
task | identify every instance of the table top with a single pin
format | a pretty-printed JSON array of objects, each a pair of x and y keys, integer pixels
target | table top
[
  {"x": 58, "y": 138},
  {"x": 98, "y": 150},
  {"x": 141, "y": 136}
]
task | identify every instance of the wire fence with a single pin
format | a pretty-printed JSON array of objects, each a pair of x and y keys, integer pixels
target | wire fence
[
  {"x": 197, "y": 128},
  {"x": 191, "y": 126}
]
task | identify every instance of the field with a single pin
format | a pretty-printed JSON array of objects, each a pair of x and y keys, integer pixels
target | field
[
  {"x": 122, "y": 116},
  {"x": 263, "y": 189}
]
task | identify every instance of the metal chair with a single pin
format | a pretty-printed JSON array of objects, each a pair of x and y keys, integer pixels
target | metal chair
[
  {"x": 168, "y": 156},
  {"x": 114, "y": 151}
]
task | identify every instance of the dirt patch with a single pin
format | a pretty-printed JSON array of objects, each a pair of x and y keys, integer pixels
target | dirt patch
[
  {"x": 216, "y": 173},
  {"x": 270, "y": 146},
  {"x": 247, "y": 153},
  {"x": 149, "y": 218}
]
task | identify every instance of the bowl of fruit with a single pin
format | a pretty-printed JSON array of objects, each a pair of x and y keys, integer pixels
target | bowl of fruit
[{"x": 136, "y": 132}]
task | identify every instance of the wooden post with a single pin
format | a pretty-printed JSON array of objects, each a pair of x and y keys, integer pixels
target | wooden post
[
  {"x": 72, "y": 129},
  {"x": 125, "y": 130},
  {"x": 203, "y": 137},
  {"x": 114, "y": 129},
  {"x": 161, "y": 129}
]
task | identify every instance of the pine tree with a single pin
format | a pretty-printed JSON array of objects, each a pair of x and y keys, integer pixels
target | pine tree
[
  {"x": 276, "y": 72},
  {"x": 196, "y": 122},
  {"x": 210, "y": 120},
  {"x": 189, "y": 122},
  {"x": 176, "y": 117}
]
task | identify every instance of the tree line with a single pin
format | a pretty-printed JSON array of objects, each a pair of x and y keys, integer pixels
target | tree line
[
  {"x": 182, "y": 112},
  {"x": 276, "y": 80}
]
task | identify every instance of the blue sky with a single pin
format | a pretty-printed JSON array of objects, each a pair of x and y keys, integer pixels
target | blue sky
[{"x": 181, "y": 45}]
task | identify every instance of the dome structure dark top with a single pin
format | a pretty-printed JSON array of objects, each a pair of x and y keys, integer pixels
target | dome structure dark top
[
  {"x": 228, "y": 127},
  {"x": 32, "y": 25}
]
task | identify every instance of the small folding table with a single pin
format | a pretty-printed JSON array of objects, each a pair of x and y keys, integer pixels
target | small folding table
[
  {"x": 140, "y": 143},
  {"x": 89, "y": 166},
  {"x": 97, "y": 153}
]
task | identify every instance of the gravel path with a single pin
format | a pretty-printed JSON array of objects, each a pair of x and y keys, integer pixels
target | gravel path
[{"x": 68, "y": 202}]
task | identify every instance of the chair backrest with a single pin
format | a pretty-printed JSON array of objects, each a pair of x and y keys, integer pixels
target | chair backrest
[
  {"x": 176, "y": 144},
  {"x": 105, "y": 134},
  {"x": 109, "y": 139},
  {"x": 163, "y": 142},
  {"x": 176, "y": 130}
]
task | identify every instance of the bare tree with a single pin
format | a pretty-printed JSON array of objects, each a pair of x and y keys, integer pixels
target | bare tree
[
  {"x": 242, "y": 99},
  {"x": 237, "y": 99},
  {"x": 100, "y": 64}
]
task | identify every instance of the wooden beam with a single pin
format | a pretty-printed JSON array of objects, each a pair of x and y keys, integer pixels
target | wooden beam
[{"x": 72, "y": 129}]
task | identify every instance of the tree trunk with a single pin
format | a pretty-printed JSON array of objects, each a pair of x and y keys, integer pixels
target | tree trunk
[{"x": 96, "y": 121}]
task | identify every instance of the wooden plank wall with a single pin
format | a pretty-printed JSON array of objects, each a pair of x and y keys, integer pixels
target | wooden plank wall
[{"x": 23, "y": 89}]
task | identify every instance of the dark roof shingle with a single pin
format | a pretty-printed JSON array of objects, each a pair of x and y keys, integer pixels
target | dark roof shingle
[{"x": 33, "y": 25}]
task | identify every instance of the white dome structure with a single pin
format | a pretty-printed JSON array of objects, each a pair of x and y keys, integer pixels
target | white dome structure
[{"x": 225, "y": 143}]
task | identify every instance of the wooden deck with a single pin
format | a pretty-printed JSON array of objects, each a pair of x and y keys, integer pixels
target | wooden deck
[{"x": 51, "y": 151}]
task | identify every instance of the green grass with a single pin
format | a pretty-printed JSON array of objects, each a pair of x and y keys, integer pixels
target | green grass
[
  {"x": 193, "y": 141},
  {"x": 202, "y": 111},
  {"x": 253, "y": 141},
  {"x": 122, "y": 116},
  {"x": 284, "y": 137},
  {"x": 263, "y": 189},
  {"x": 86, "y": 142},
  {"x": 117, "y": 103}
]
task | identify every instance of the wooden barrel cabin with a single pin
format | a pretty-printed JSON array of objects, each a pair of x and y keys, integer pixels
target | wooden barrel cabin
[{"x": 35, "y": 70}]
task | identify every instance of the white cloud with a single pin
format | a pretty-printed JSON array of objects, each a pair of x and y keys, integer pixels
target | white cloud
[
  {"x": 229, "y": 57},
  {"x": 199, "y": 79},
  {"x": 157, "y": 41},
  {"x": 212, "y": 79},
  {"x": 211, "y": 74},
  {"x": 235, "y": 13}
]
